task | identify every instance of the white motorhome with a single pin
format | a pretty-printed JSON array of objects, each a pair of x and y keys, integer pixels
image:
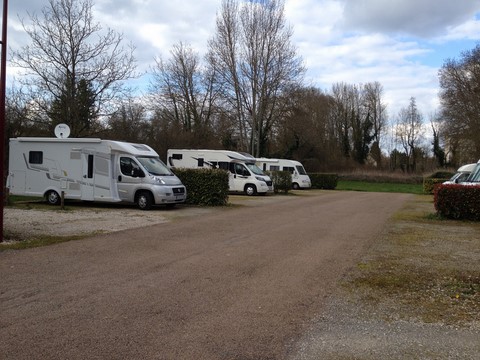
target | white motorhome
[
  {"x": 93, "y": 170},
  {"x": 462, "y": 174},
  {"x": 474, "y": 177},
  {"x": 244, "y": 175},
  {"x": 300, "y": 178}
]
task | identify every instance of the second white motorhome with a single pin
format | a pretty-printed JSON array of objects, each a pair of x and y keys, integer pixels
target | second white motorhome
[
  {"x": 244, "y": 175},
  {"x": 300, "y": 178},
  {"x": 93, "y": 170}
]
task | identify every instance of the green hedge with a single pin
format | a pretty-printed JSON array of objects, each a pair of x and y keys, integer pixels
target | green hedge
[
  {"x": 458, "y": 201},
  {"x": 324, "y": 181},
  {"x": 282, "y": 180},
  {"x": 207, "y": 187},
  {"x": 429, "y": 184}
]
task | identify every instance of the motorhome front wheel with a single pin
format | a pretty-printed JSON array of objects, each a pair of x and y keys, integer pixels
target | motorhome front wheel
[
  {"x": 250, "y": 190},
  {"x": 145, "y": 200}
]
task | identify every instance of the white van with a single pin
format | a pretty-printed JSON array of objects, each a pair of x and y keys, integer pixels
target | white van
[
  {"x": 244, "y": 175},
  {"x": 93, "y": 170},
  {"x": 300, "y": 178}
]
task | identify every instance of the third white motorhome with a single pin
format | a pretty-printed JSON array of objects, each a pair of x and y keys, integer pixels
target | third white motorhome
[
  {"x": 244, "y": 175},
  {"x": 300, "y": 178},
  {"x": 93, "y": 170},
  {"x": 474, "y": 177},
  {"x": 462, "y": 174}
]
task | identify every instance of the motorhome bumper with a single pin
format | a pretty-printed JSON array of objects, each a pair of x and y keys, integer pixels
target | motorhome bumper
[{"x": 168, "y": 195}]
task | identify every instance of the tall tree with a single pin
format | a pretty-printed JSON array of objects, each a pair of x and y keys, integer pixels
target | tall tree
[
  {"x": 256, "y": 63},
  {"x": 357, "y": 115},
  {"x": 438, "y": 151},
  {"x": 409, "y": 131},
  {"x": 377, "y": 113},
  {"x": 184, "y": 92},
  {"x": 71, "y": 56},
  {"x": 460, "y": 101}
]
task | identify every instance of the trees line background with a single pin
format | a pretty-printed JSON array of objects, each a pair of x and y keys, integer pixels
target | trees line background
[{"x": 247, "y": 93}]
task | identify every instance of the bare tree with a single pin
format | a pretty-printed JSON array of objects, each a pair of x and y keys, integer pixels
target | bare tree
[
  {"x": 256, "y": 63},
  {"x": 460, "y": 101},
  {"x": 129, "y": 123},
  {"x": 358, "y": 116},
  {"x": 409, "y": 131},
  {"x": 69, "y": 49},
  {"x": 184, "y": 92}
]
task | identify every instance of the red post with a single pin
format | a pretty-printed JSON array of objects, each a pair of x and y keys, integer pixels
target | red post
[{"x": 3, "y": 77}]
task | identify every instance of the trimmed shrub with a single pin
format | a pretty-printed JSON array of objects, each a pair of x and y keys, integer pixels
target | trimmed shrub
[
  {"x": 324, "y": 181},
  {"x": 282, "y": 180},
  {"x": 429, "y": 184},
  {"x": 458, "y": 201},
  {"x": 207, "y": 187},
  {"x": 438, "y": 177}
]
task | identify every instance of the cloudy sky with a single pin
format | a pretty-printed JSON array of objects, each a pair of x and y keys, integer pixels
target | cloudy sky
[{"x": 399, "y": 43}]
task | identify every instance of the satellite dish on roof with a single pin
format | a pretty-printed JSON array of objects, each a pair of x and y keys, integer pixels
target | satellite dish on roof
[{"x": 62, "y": 131}]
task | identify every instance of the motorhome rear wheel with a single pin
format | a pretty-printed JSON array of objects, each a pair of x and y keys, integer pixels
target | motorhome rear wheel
[{"x": 52, "y": 197}]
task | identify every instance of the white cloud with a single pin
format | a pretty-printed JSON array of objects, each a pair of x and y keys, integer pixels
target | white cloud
[
  {"x": 354, "y": 41},
  {"x": 423, "y": 18}
]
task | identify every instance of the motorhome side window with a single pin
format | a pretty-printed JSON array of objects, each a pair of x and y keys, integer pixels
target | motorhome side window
[
  {"x": 128, "y": 166},
  {"x": 35, "y": 157},
  {"x": 291, "y": 170},
  {"x": 223, "y": 165},
  {"x": 240, "y": 170}
]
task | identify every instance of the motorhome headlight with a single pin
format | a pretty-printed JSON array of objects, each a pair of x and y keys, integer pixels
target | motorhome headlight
[
  {"x": 259, "y": 178},
  {"x": 159, "y": 181}
]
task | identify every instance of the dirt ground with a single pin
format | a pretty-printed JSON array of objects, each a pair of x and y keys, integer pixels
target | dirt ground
[{"x": 257, "y": 280}]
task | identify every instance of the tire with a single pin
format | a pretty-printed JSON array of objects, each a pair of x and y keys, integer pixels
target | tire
[
  {"x": 144, "y": 200},
  {"x": 250, "y": 190},
  {"x": 295, "y": 186},
  {"x": 52, "y": 197}
]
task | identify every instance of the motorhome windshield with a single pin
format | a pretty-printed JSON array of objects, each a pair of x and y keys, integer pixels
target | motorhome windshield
[
  {"x": 154, "y": 166},
  {"x": 255, "y": 169},
  {"x": 301, "y": 170}
]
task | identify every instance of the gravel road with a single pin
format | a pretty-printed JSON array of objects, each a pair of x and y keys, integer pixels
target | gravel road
[{"x": 243, "y": 282}]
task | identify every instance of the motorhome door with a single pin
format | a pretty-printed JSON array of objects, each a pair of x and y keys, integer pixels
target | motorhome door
[
  {"x": 88, "y": 181},
  {"x": 238, "y": 176},
  {"x": 129, "y": 176}
]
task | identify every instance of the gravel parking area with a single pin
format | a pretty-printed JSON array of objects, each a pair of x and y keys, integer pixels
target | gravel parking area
[{"x": 166, "y": 292}]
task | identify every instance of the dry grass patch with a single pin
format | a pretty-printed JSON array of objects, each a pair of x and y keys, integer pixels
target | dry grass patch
[{"x": 423, "y": 268}]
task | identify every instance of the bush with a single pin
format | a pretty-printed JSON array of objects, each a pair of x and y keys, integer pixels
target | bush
[
  {"x": 458, "y": 201},
  {"x": 282, "y": 180},
  {"x": 438, "y": 177},
  {"x": 207, "y": 187},
  {"x": 429, "y": 184},
  {"x": 324, "y": 181},
  {"x": 442, "y": 175}
]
